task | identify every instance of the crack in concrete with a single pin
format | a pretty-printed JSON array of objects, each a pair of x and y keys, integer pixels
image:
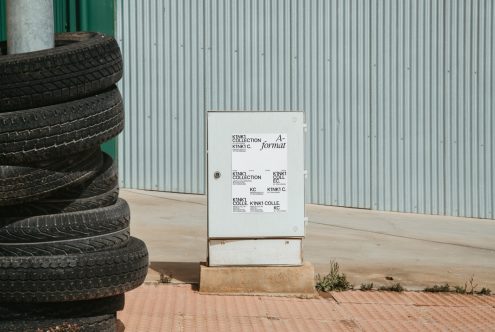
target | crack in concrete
[{"x": 403, "y": 236}]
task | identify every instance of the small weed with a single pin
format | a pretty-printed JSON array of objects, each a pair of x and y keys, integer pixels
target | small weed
[
  {"x": 460, "y": 289},
  {"x": 470, "y": 288},
  {"x": 366, "y": 287},
  {"x": 467, "y": 289},
  {"x": 484, "y": 291},
  {"x": 393, "y": 288},
  {"x": 165, "y": 279},
  {"x": 472, "y": 285},
  {"x": 333, "y": 281},
  {"x": 445, "y": 288}
]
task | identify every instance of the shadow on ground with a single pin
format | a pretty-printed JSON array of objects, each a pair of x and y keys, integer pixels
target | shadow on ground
[
  {"x": 174, "y": 272},
  {"x": 120, "y": 327}
]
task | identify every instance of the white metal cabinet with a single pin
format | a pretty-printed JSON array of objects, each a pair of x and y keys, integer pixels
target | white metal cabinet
[{"x": 255, "y": 180}]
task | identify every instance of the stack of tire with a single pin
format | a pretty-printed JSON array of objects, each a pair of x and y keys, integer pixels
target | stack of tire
[{"x": 66, "y": 254}]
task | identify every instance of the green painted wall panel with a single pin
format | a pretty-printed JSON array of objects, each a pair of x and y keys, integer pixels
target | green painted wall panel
[
  {"x": 96, "y": 15},
  {"x": 3, "y": 32},
  {"x": 60, "y": 8}
]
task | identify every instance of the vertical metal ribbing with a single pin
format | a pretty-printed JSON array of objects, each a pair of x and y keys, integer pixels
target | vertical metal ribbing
[{"x": 398, "y": 94}]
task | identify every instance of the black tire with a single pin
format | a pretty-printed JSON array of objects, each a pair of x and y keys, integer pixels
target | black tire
[
  {"x": 73, "y": 277},
  {"x": 105, "y": 323},
  {"x": 65, "y": 226},
  {"x": 19, "y": 184},
  {"x": 99, "y": 191},
  {"x": 96, "y": 307},
  {"x": 61, "y": 129},
  {"x": 105, "y": 180},
  {"x": 81, "y": 64},
  {"x": 76, "y": 246},
  {"x": 54, "y": 206}
]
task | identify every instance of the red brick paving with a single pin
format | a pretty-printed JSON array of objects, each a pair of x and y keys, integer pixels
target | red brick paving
[{"x": 157, "y": 308}]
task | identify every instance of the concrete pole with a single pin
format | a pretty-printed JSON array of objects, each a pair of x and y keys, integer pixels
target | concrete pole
[{"x": 30, "y": 25}]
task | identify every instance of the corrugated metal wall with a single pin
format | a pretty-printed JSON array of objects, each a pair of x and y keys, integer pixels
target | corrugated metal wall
[
  {"x": 164, "y": 89},
  {"x": 300, "y": 55},
  {"x": 432, "y": 106},
  {"x": 398, "y": 94},
  {"x": 408, "y": 105},
  {"x": 331, "y": 83},
  {"x": 470, "y": 108}
]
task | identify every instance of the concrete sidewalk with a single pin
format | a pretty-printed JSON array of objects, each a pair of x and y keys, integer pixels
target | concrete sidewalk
[
  {"x": 163, "y": 308},
  {"x": 415, "y": 250}
]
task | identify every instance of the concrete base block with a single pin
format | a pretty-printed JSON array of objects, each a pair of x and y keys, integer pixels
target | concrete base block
[{"x": 259, "y": 280}]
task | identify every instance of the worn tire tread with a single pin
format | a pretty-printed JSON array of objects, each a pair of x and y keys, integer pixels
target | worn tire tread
[
  {"x": 65, "y": 226},
  {"x": 61, "y": 129},
  {"x": 81, "y": 64},
  {"x": 20, "y": 184},
  {"x": 76, "y": 246},
  {"x": 104, "y": 323},
  {"x": 46, "y": 310},
  {"x": 99, "y": 191},
  {"x": 73, "y": 277}
]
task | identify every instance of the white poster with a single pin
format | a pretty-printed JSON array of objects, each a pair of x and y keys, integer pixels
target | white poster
[{"x": 259, "y": 173}]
